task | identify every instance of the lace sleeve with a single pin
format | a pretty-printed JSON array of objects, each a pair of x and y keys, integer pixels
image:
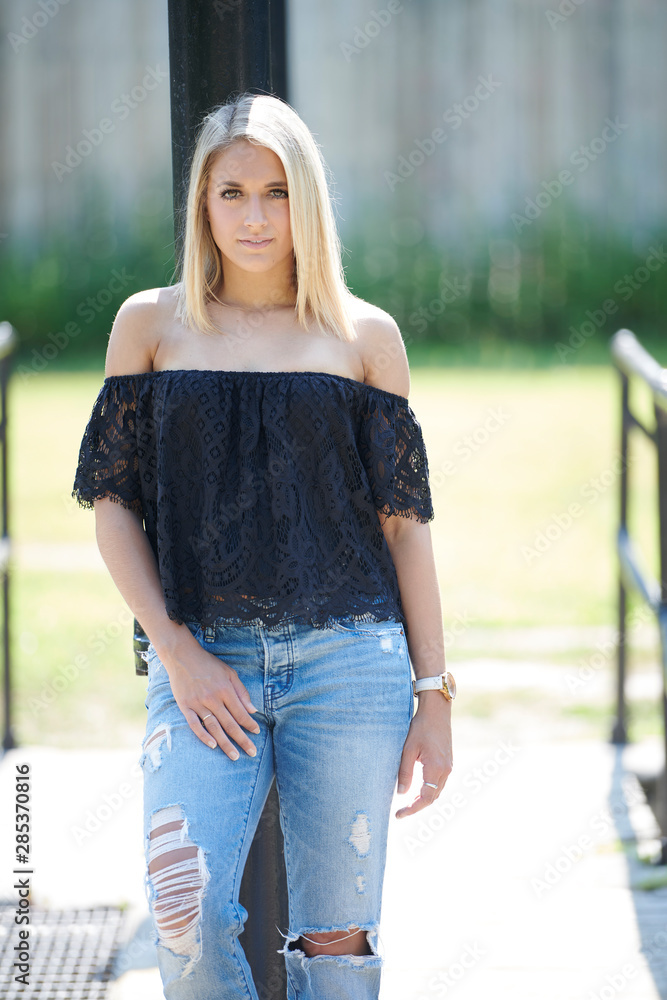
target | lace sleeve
[
  {"x": 393, "y": 452},
  {"x": 108, "y": 464}
]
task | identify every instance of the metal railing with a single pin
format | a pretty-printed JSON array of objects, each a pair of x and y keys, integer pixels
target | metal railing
[
  {"x": 8, "y": 341},
  {"x": 633, "y": 361}
]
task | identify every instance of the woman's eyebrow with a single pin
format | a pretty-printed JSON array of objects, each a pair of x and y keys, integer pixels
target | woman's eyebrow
[{"x": 238, "y": 184}]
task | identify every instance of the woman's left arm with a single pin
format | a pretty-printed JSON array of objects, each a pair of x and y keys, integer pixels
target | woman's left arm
[{"x": 429, "y": 739}]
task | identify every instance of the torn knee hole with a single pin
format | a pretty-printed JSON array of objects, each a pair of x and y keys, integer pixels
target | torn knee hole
[
  {"x": 331, "y": 943},
  {"x": 166, "y": 828},
  {"x": 178, "y": 875},
  {"x": 329, "y": 937}
]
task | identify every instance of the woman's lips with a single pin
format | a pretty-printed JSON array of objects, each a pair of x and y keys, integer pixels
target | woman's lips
[{"x": 255, "y": 246}]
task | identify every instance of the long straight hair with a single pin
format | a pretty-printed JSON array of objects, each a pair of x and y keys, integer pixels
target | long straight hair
[{"x": 319, "y": 277}]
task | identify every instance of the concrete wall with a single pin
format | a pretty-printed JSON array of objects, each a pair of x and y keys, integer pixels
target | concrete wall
[{"x": 534, "y": 80}]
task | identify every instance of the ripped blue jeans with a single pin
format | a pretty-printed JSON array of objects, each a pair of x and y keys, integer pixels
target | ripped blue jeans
[{"x": 336, "y": 705}]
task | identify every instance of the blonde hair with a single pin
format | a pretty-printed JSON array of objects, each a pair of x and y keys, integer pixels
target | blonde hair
[{"x": 319, "y": 276}]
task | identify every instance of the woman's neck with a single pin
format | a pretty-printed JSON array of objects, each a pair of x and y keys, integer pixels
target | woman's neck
[{"x": 256, "y": 292}]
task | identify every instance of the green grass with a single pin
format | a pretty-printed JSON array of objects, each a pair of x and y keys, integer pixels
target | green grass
[
  {"x": 652, "y": 882},
  {"x": 556, "y": 432},
  {"x": 645, "y": 718},
  {"x": 556, "y": 447}
]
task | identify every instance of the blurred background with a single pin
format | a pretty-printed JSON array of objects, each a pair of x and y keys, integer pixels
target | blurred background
[{"x": 498, "y": 174}]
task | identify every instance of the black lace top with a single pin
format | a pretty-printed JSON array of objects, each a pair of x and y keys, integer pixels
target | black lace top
[{"x": 259, "y": 491}]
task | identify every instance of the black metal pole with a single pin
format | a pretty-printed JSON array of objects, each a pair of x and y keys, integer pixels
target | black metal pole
[
  {"x": 218, "y": 48},
  {"x": 619, "y": 731}
]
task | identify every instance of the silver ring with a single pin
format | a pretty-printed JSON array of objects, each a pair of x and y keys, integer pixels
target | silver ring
[
  {"x": 206, "y": 717},
  {"x": 430, "y": 784}
]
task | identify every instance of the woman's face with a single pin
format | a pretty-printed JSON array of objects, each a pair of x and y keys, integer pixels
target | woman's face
[{"x": 247, "y": 201}]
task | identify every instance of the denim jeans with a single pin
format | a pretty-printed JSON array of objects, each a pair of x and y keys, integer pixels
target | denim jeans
[{"x": 336, "y": 705}]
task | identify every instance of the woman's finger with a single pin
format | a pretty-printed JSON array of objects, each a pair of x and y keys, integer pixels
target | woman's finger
[
  {"x": 198, "y": 728},
  {"x": 429, "y": 790},
  {"x": 427, "y": 793},
  {"x": 223, "y": 728},
  {"x": 237, "y": 707},
  {"x": 245, "y": 700}
]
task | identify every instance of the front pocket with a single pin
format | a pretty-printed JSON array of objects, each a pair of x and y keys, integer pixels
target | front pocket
[{"x": 375, "y": 629}]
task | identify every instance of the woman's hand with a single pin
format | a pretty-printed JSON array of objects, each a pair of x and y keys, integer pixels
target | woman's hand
[
  {"x": 429, "y": 741},
  {"x": 204, "y": 685}
]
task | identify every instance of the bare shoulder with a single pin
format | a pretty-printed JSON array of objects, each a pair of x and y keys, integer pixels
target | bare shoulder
[
  {"x": 381, "y": 348},
  {"x": 135, "y": 334}
]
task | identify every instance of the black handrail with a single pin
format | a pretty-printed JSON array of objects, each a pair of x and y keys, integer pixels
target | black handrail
[
  {"x": 633, "y": 361},
  {"x": 8, "y": 341}
]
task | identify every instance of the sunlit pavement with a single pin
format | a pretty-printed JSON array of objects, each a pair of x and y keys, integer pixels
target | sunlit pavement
[{"x": 513, "y": 884}]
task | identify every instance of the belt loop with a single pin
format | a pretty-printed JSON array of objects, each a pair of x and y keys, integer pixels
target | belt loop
[{"x": 209, "y": 633}]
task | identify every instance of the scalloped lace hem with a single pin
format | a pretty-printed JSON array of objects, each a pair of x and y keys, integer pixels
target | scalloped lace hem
[
  {"x": 275, "y": 621},
  {"x": 87, "y": 500}
]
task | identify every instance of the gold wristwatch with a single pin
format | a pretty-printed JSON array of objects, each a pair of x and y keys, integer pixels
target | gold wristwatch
[{"x": 443, "y": 682}]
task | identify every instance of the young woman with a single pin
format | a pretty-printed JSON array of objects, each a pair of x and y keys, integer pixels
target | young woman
[{"x": 261, "y": 496}]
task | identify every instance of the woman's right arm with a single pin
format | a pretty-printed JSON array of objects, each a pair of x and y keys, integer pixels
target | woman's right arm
[{"x": 201, "y": 682}]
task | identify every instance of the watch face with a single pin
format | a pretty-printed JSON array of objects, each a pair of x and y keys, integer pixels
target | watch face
[{"x": 451, "y": 684}]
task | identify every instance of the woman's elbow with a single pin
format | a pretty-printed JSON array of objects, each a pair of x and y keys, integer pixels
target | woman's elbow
[
  {"x": 397, "y": 528},
  {"x": 110, "y": 515}
]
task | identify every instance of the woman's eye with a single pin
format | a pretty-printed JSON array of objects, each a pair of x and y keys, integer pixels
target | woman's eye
[{"x": 230, "y": 194}]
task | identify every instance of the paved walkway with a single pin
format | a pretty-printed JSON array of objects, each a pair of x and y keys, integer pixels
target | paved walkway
[{"x": 514, "y": 886}]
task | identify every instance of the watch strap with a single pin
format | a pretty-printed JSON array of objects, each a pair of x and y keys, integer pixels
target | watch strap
[
  {"x": 443, "y": 682},
  {"x": 428, "y": 684}
]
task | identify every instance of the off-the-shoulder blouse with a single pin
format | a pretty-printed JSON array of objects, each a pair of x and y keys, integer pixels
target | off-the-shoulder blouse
[{"x": 260, "y": 491}]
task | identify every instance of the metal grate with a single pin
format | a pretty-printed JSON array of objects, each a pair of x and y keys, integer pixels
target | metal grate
[{"x": 71, "y": 952}]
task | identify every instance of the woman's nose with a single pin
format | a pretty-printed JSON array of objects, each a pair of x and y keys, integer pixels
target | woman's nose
[{"x": 255, "y": 215}]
